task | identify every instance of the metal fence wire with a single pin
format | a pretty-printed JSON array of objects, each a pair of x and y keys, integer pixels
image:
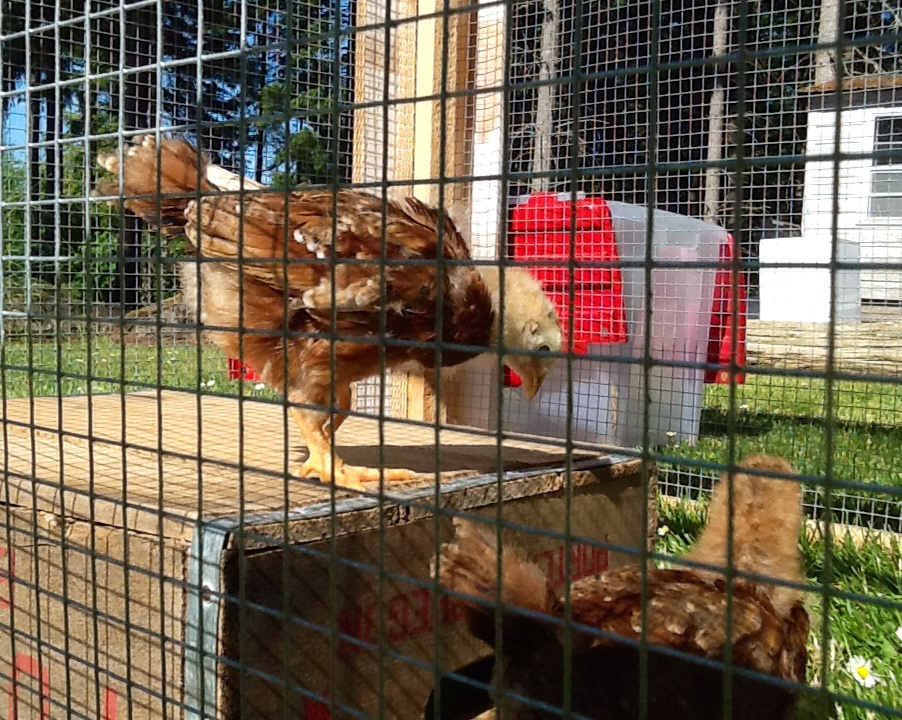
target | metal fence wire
[{"x": 605, "y": 297}]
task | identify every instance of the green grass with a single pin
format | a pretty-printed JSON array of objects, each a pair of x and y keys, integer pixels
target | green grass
[
  {"x": 64, "y": 368},
  {"x": 857, "y": 627},
  {"x": 787, "y": 416}
]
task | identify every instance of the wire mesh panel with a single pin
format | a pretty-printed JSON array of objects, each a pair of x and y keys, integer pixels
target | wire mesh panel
[{"x": 423, "y": 359}]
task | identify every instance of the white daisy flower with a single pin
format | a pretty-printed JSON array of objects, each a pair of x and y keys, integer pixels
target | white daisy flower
[
  {"x": 744, "y": 406},
  {"x": 211, "y": 383},
  {"x": 663, "y": 530},
  {"x": 862, "y": 671},
  {"x": 259, "y": 386}
]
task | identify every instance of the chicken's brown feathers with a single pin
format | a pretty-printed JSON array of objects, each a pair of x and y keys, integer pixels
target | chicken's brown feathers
[
  {"x": 315, "y": 253},
  {"x": 690, "y": 610},
  {"x": 159, "y": 198},
  {"x": 469, "y": 566},
  {"x": 767, "y": 523},
  {"x": 687, "y": 611}
]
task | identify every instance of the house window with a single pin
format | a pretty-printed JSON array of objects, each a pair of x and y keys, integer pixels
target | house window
[{"x": 886, "y": 177}]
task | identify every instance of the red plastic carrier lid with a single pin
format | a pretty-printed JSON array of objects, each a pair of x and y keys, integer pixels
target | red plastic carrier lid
[
  {"x": 720, "y": 333},
  {"x": 239, "y": 371},
  {"x": 542, "y": 230}
]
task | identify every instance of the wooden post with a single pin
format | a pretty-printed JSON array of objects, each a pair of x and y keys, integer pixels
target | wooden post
[
  {"x": 468, "y": 398},
  {"x": 455, "y": 124},
  {"x": 420, "y": 402},
  {"x": 716, "y": 114},
  {"x": 543, "y": 154},
  {"x": 431, "y": 126},
  {"x": 825, "y": 59},
  {"x": 370, "y": 135},
  {"x": 424, "y": 109},
  {"x": 489, "y": 208}
]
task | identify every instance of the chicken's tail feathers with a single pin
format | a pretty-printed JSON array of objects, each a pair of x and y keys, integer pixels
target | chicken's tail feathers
[
  {"x": 767, "y": 522},
  {"x": 158, "y": 180},
  {"x": 468, "y": 568}
]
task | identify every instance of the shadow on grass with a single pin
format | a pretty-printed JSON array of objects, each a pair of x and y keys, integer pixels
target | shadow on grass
[{"x": 716, "y": 422}]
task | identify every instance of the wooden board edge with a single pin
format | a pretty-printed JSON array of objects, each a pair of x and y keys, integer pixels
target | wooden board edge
[{"x": 361, "y": 514}]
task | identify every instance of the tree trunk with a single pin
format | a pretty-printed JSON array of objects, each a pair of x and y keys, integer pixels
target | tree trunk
[
  {"x": 39, "y": 74},
  {"x": 825, "y": 59},
  {"x": 36, "y": 183},
  {"x": 51, "y": 229},
  {"x": 140, "y": 96},
  {"x": 543, "y": 152},
  {"x": 259, "y": 159},
  {"x": 717, "y": 114},
  {"x": 59, "y": 174}
]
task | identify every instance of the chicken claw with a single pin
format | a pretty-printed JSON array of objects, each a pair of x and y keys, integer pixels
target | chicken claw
[
  {"x": 321, "y": 461},
  {"x": 351, "y": 477}
]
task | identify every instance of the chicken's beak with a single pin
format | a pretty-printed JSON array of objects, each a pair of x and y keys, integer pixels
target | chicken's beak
[{"x": 532, "y": 383}]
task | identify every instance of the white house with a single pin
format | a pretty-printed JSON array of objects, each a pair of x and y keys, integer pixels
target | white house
[{"x": 867, "y": 190}]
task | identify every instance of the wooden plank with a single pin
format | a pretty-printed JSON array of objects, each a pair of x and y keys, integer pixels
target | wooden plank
[
  {"x": 873, "y": 348},
  {"x": 175, "y": 459}
]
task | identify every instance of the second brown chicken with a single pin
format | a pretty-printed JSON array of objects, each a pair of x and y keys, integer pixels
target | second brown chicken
[{"x": 685, "y": 616}]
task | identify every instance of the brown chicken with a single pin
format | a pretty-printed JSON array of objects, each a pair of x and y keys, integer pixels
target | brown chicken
[
  {"x": 686, "y": 618},
  {"x": 274, "y": 254}
]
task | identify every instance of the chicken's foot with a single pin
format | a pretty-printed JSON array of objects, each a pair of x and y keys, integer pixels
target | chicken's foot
[{"x": 324, "y": 464}]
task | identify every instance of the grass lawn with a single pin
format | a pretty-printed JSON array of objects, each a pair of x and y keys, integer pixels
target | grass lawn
[
  {"x": 787, "y": 416},
  {"x": 781, "y": 415},
  {"x": 864, "y": 625},
  {"x": 65, "y": 368}
]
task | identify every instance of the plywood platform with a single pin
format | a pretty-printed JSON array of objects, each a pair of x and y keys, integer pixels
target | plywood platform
[
  {"x": 161, "y": 532},
  {"x": 179, "y": 457}
]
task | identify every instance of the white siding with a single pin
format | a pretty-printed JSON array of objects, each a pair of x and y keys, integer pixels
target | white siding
[{"x": 879, "y": 239}]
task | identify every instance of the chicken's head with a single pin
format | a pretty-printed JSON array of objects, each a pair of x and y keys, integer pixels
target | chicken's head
[{"x": 530, "y": 325}]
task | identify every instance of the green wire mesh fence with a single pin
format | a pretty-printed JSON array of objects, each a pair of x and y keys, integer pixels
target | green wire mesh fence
[{"x": 555, "y": 269}]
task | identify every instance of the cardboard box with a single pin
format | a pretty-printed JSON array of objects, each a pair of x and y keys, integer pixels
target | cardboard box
[{"x": 143, "y": 575}]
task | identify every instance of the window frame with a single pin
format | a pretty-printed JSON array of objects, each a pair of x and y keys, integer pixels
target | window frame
[{"x": 881, "y": 166}]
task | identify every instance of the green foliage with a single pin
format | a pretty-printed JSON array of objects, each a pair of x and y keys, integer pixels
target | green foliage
[
  {"x": 288, "y": 60},
  {"x": 12, "y": 222},
  {"x": 301, "y": 156}
]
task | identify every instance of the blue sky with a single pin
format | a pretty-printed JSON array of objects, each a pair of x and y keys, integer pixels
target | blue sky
[{"x": 14, "y": 125}]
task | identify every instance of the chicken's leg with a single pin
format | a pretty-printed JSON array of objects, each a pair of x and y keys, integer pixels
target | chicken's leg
[
  {"x": 342, "y": 402},
  {"x": 321, "y": 462}
]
